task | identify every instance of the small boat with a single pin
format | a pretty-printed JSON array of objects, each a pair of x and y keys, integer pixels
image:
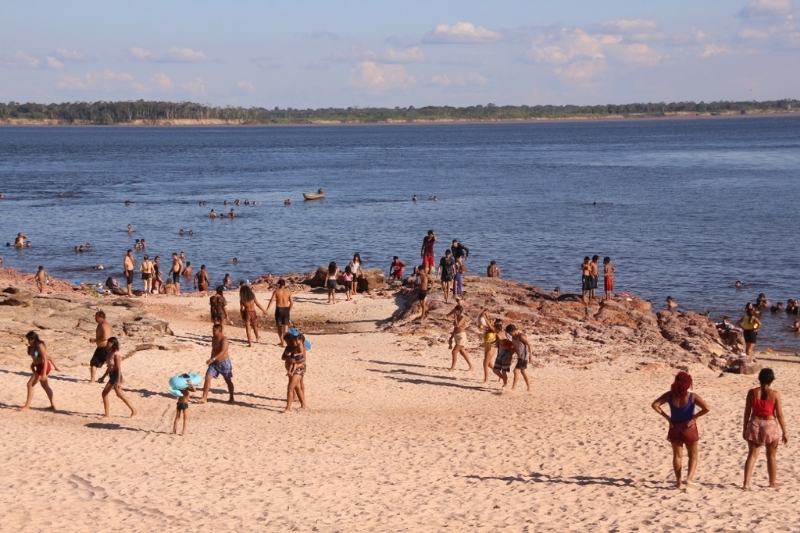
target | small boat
[{"x": 319, "y": 195}]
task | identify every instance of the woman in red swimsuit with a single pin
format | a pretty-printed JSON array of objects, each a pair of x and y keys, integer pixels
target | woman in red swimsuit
[
  {"x": 763, "y": 426},
  {"x": 40, "y": 366}
]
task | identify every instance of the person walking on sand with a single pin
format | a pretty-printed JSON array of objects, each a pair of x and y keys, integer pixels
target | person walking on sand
[
  {"x": 750, "y": 324},
  {"x": 283, "y": 308},
  {"x": 175, "y": 271},
  {"x": 764, "y": 425},
  {"x": 41, "y": 366},
  {"x": 489, "y": 344},
  {"x": 101, "y": 335},
  {"x": 422, "y": 291},
  {"x": 219, "y": 364},
  {"x": 217, "y": 303},
  {"x": 608, "y": 278},
  {"x": 428, "y": 252},
  {"x": 458, "y": 339},
  {"x": 447, "y": 266},
  {"x": 331, "y": 280},
  {"x": 247, "y": 308},
  {"x": 201, "y": 280},
  {"x": 523, "y": 349},
  {"x": 114, "y": 364},
  {"x": 295, "y": 360},
  {"x": 349, "y": 283},
  {"x": 182, "y": 410},
  {"x": 505, "y": 353},
  {"x": 40, "y": 278},
  {"x": 128, "y": 267},
  {"x": 586, "y": 280},
  {"x": 682, "y": 424},
  {"x": 147, "y": 270},
  {"x": 458, "y": 278}
]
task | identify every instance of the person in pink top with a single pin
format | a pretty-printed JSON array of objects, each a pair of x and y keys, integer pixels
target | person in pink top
[{"x": 763, "y": 426}]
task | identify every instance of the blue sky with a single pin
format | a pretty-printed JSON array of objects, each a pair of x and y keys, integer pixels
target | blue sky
[{"x": 303, "y": 53}]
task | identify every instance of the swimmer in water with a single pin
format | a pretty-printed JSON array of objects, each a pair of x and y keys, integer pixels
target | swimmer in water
[
  {"x": 130, "y": 229},
  {"x": 738, "y": 284}
]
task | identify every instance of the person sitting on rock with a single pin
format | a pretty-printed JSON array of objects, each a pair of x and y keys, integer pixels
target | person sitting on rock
[
  {"x": 671, "y": 304},
  {"x": 493, "y": 271}
]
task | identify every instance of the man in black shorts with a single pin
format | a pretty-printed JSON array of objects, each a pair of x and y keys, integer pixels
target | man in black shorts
[
  {"x": 100, "y": 339},
  {"x": 128, "y": 266},
  {"x": 422, "y": 291},
  {"x": 283, "y": 308}
]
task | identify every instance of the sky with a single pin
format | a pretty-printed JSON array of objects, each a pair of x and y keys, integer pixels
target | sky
[{"x": 360, "y": 53}]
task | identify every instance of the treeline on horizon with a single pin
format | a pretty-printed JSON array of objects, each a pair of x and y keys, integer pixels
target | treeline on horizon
[{"x": 106, "y": 113}]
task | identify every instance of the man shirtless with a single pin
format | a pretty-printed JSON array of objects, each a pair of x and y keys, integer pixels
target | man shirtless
[
  {"x": 427, "y": 251},
  {"x": 201, "y": 279},
  {"x": 219, "y": 364},
  {"x": 128, "y": 266},
  {"x": 422, "y": 292},
  {"x": 40, "y": 278},
  {"x": 217, "y": 303},
  {"x": 283, "y": 307},
  {"x": 175, "y": 270},
  {"x": 100, "y": 339}
]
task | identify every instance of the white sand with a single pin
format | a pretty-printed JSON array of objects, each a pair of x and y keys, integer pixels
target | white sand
[{"x": 391, "y": 441}]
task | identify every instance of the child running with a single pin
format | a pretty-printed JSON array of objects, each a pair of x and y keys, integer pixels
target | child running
[
  {"x": 294, "y": 357},
  {"x": 114, "y": 365},
  {"x": 41, "y": 365},
  {"x": 682, "y": 424}
]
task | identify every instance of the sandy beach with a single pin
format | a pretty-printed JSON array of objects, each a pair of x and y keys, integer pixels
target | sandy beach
[{"x": 391, "y": 440}]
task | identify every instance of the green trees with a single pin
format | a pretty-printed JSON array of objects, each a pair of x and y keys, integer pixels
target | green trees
[{"x": 159, "y": 112}]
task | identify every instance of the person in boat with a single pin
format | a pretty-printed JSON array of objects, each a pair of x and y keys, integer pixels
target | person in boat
[
  {"x": 763, "y": 425},
  {"x": 320, "y": 191}
]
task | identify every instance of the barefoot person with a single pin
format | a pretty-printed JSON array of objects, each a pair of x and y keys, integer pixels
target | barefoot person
[
  {"x": 492, "y": 271},
  {"x": 427, "y": 251},
  {"x": 201, "y": 280},
  {"x": 505, "y": 353},
  {"x": 175, "y": 271},
  {"x": 247, "y": 308},
  {"x": 489, "y": 344},
  {"x": 447, "y": 267},
  {"x": 219, "y": 364},
  {"x": 397, "y": 269},
  {"x": 331, "y": 280},
  {"x": 217, "y": 303},
  {"x": 458, "y": 339},
  {"x": 40, "y": 278},
  {"x": 764, "y": 425},
  {"x": 101, "y": 335},
  {"x": 182, "y": 409},
  {"x": 128, "y": 267},
  {"x": 608, "y": 278},
  {"x": 750, "y": 324},
  {"x": 523, "y": 348},
  {"x": 114, "y": 364},
  {"x": 682, "y": 424},
  {"x": 147, "y": 269},
  {"x": 41, "y": 365},
  {"x": 283, "y": 308},
  {"x": 295, "y": 360},
  {"x": 422, "y": 291},
  {"x": 586, "y": 279},
  {"x": 595, "y": 273}
]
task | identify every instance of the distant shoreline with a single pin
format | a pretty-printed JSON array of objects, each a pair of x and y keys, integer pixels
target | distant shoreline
[{"x": 184, "y": 123}]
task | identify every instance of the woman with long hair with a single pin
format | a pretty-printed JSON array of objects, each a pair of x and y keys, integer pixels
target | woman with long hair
[
  {"x": 114, "y": 365},
  {"x": 763, "y": 426},
  {"x": 247, "y": 308},
  {"x": 41, "y": 365},
  {"x": 488, "y": 339},
  {"x": 682, "y": 424},
  {"x": 331, "y": 281}
]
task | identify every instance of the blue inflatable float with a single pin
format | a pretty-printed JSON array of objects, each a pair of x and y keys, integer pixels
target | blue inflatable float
[
  {"x": 181, "y": 382},
  {"x": 294, "y": 332}
]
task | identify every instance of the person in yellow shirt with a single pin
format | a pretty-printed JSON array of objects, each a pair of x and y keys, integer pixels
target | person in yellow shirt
[{"x": 750, "y": 324}]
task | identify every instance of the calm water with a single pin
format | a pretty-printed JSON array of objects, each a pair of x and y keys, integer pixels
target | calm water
[{"x": 683, "y": 207}]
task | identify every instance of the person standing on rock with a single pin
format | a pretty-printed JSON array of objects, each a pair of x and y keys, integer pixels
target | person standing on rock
[
  {"x": 523, "y": 349},
  {"x": 217, "y": 303},
  {"x": 458, "y": 339},
  {"x": 764, "y": 425},
  {"x": 40, "y": 278},
  {"x": 175, "y": 270},
  {"x": 595, "y": 273},
  {"x": 114, "y": 364},
  {"x": 283, "y": 308},
  {"x": 447, "y": 267},
  {"x": 422, "y": 292},
  {"x": 219, "y": 364},
  {"x": 147, "y": 269},
  {"x": 750, "y": 324},
  {"x": 247, "y": 309},
  {"x": 608, "y": 278},
  {"x": 128, "y": 267},
  {"x": 428, "y": 252},
  {"x": 682, "y": 424},
  {"x": 586, "y": 279},
  {"x": 41, "y": 366},
  {"x": 100, "y": 340}
]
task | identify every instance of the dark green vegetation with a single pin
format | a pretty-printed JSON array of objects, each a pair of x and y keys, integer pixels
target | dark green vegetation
[{"x": 160, "y": 112}]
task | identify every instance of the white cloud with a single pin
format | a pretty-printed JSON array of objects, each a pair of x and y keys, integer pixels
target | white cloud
[
  {"x": 163, "y": 82},
  {"x": 767, "y": 8},
  {"x": 54, "y": 63},
  {"x": 186, "y": 55},
  {"x": 631, "y": 26},
  {"x": 103, "y": 78},
  {"x": 246, "y": 86},
  {"x": 714, "y": 50},
  {"x": 379, "y": 77},
  {"x": 173, "y": 55},
  {"x": 581, "y": 72},
  {"x": 108, "y": 75},
  {"x": 65, "y": 54},
  {"x": 196, "y": 86},
  {"x": 639, "y": 54},
  {"x": 71, "y": 82},
  {"x": 571, "y": 45},
  {"x": 412, "y": 54},
  {"x": 461, "y": 32},
  {"x": 20, "y": 59},
  {"x": 473, "y": 79}
]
